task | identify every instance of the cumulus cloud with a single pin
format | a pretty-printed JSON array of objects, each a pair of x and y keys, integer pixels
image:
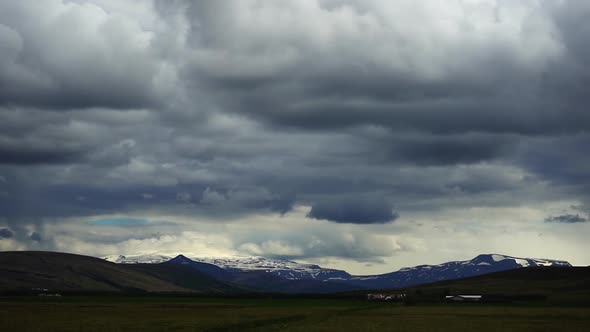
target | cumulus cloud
[
  {"x": 109, "y": 60},
  {"x": 228, "y": 109}
]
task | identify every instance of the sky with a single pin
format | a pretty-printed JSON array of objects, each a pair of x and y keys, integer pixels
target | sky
[{"x": 365, "y": 135}]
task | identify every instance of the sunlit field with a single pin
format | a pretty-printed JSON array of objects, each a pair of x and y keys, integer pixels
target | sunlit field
[{"x": 187, "y": 314}]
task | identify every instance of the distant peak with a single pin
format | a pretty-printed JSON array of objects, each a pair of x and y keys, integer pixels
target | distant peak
[{"x": 181, "y": 259}]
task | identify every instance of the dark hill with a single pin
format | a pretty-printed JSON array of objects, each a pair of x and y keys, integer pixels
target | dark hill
[
  {"x": 27, "y": 270},
  {"x": 211, "y": 270},
  {"x": 187, "y": 277},
  {"x": 556, "y": 284}
]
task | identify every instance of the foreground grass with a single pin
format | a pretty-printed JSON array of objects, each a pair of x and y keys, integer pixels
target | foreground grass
[{"x": 154, "y": 314}]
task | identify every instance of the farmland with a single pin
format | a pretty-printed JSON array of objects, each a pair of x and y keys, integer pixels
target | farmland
[{"x": 218, "y": 314}]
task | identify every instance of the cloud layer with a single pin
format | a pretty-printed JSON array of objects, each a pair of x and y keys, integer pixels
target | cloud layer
[{"x": 361, "y": 113}]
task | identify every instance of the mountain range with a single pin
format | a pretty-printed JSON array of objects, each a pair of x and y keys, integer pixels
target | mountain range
[
  {"x": 23, "y": 271},
  {"x": 280, "y": 275}
]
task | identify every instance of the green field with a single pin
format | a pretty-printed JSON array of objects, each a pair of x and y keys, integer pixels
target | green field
[{"x": 191, "y": 314}]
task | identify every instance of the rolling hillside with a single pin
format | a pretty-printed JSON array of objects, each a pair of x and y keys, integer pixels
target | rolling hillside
[{"x": 61, "y": 272}]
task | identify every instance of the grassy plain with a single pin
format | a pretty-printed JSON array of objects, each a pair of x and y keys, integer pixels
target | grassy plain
[{"x": 203, "y": 314}]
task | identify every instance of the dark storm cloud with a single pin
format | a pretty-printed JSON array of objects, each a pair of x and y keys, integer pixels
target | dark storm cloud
[
  {"x": 26, "y": 155},
  {"x": 490, "y": 90},
  {"x": 563, "y": 162},
  {"x": 506, "y": 105},
  {"x": 451, "y": 150},
  {"x": 353, "y": 211},
  {"x": 33, "y": 202},
  {"x": 559, "y": 159},
  {"x": 567, "y": 218},
  {"x": 37, "y": 137},
  {"x": 61, "y": 201},
  {"x": 6, "y": 233},
  {"x": 56, "y": 201},
  {"x": 479, "y": 104}
]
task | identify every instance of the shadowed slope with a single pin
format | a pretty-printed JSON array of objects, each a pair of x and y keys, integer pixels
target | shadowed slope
[
  {"x": 25, "y": 270},
  {"x": 187, "y": 277}
]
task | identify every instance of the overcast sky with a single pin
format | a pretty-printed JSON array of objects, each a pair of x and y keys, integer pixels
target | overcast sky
[{"x": 358, "y": 134}]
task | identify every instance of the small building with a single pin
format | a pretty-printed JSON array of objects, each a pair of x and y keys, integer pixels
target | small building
[
  {"x": 386, "y": 297},
  {"x": 463, "y": 298}
]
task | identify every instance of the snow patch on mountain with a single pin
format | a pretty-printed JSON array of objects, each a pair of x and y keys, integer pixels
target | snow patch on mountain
[
  {"x": 498, "y": 258},
  {"x": 280, "y": 267},
  {"x": 255, "y": 263},
  {"x": 138, "y": 259},
  {"x": 524, "y": 262}
]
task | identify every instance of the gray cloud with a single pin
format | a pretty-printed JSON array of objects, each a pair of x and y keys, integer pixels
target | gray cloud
[
  {"x": 36, "y": 237},
  {"x": 17, "y": 155},
  {"x": 109, "y": 61},
  {"x": 217, "y": 110},
  {"x": 566, "y": 218},
  {"x": 355, "y": 211},
  {"x": 6, "y": 233},
  {"x": 452, "y": 150},
  {"x": 483, "y": 87}
]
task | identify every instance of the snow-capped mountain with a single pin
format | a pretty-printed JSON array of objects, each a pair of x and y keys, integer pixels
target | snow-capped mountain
[
  {"x": 138, "y": 259},
  {"x": 421, "y": 274},
  {"x": 280, "y": 267},
  {"x": 268, "y": 275},
  {"x": 251, "y": 271}
]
